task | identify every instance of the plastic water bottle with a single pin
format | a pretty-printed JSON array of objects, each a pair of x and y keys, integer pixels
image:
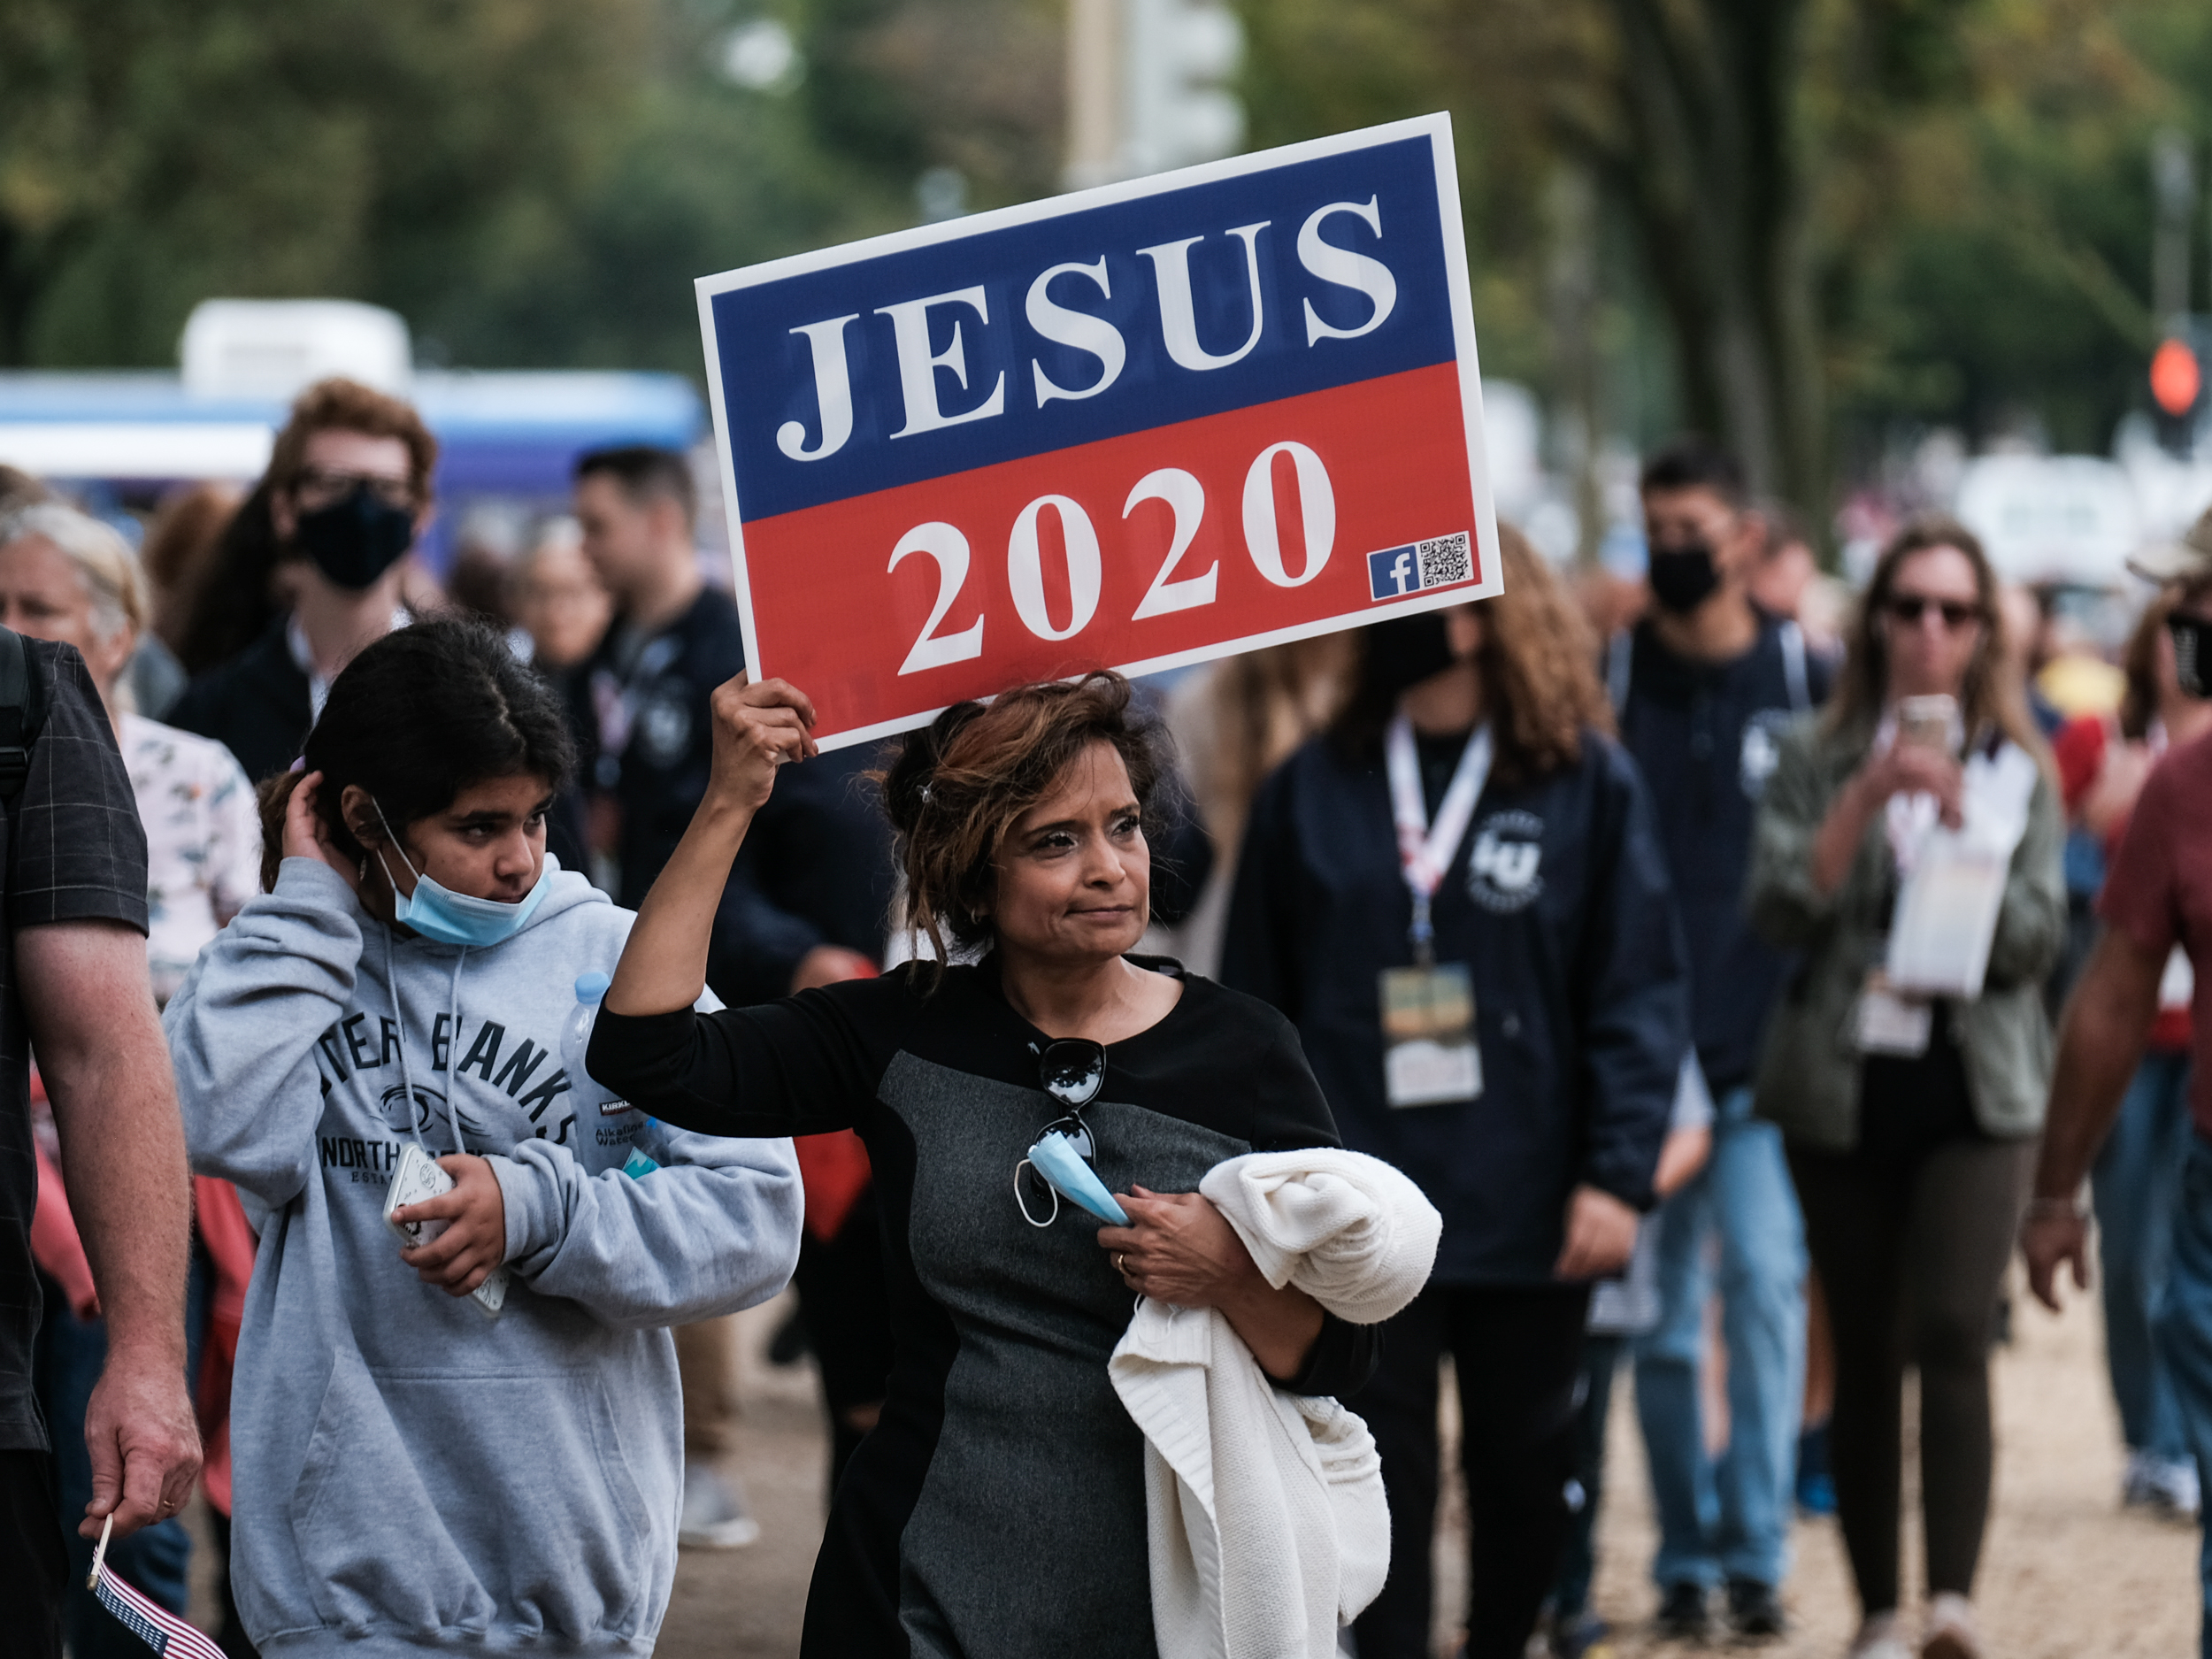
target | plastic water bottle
[
  {"x": 576, "y": 1037},
  {"x": 576, "y": 1043}
]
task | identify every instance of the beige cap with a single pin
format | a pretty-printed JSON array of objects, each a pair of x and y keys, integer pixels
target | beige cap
[{"x": 2179, "y": 561}]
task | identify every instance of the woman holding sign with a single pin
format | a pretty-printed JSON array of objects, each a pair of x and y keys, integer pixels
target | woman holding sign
[
  {"x": 998, "y": 1508},
  {"x": 1457, "y": 897},
  {"x": 1909, "y": 845}
]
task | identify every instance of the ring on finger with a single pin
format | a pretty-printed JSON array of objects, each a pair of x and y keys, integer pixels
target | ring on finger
[{"x": 1121, "y": 1264}]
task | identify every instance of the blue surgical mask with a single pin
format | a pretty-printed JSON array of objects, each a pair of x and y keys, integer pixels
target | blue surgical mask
[{"x": 437, "y": 911}]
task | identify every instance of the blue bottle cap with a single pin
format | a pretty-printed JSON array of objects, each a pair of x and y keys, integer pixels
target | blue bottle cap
[{"x": 591, "y": 987}]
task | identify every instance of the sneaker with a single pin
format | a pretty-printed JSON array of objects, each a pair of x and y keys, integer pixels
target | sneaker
[
  {"x": 1816, "y": 1486},
  {"x": 1951, "y": 1633},
  {"x": 1682, "y": 1615},
  {"x": 1880, "y": 1637},
  {"x": 714, "y": 1513},
  {"x": 1755, "y": 1612},
  {"x": 2165, "y": 1486}
]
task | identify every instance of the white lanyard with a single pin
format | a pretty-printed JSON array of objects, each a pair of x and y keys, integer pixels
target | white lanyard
[{"x": 1425, "y": 850}]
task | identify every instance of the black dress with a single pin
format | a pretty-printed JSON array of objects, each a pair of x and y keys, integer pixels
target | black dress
[{"x": 997, "y": 1509}]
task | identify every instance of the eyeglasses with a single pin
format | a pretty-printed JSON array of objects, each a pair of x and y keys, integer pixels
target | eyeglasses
[
  {"x": 319, "y": 486},
  {"x": 1910, "y": 608},
  {"x": 1072, "y": 1069}
]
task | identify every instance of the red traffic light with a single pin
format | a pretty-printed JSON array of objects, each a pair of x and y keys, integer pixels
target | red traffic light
[{"x": 2176, "y": 378}]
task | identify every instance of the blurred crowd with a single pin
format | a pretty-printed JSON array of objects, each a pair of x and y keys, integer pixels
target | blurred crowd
[{"x": 1801, "y": 878}]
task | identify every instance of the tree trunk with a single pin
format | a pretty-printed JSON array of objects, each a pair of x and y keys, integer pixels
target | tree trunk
[{"x": 1708, "y": 93}]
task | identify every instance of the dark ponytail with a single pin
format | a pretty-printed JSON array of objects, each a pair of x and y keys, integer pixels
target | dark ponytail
[{"x": 417, "y": 718}]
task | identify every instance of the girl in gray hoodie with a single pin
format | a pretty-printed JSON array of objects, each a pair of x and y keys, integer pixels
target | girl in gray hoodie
[{"x": 410, "y": 1471}]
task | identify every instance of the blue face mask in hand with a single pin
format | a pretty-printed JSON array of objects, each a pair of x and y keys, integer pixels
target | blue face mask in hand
[{"x": 437, "y": 912}]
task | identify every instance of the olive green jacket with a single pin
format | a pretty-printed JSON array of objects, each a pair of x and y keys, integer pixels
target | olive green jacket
[{"x": 1808, "y": 1073}]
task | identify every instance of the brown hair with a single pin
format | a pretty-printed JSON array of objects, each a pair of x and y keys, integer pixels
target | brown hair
[
  {"x": 956, "y": 787},
  {"x": 341, "y": 405},
  {"x": 2138, "y": 661},
  {"x": 1988, "y": 697},
  {"x": 19, "y": 488},
  {"x": 1246, "y": 716},
  {"x": 234, "y": 603},
  {"x": 644, "y": 475},
  {"x": 179, "y": 550},
  {"x": 1537, "y": 662}
]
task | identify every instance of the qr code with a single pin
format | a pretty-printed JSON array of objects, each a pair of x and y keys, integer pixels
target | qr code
[{"x": 1447, "y": 560}]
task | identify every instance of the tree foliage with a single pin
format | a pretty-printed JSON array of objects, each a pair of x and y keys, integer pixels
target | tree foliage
[
  {"x": 1782, "y": 220},
  {"x": 1843, "y": 215},
  {"x": 155, "y": 151}
]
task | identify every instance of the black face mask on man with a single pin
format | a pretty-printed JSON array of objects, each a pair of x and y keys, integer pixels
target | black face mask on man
[
  {"x": 355, "y": 540},
  {"x": 2192, "y": 654},
  {"x": 1401, "y": 652},
  {"x": 1683, "y": 577}
]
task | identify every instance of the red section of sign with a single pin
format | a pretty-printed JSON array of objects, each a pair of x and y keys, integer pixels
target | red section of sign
[
  {"x": 2176, "y": 377},
  {"x": 832, "y": 615}
]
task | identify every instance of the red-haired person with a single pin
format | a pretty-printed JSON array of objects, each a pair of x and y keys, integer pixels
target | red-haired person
[{"x": 310, "y": 572}]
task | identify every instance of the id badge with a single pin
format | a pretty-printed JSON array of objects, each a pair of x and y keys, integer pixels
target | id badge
[
  {"x": 1891, "y": 1024},
  {"x": 1429, "y": 1051}
]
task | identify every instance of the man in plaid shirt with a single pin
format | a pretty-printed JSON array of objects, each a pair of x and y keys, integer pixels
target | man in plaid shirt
[{"x": 74, "y": 987}]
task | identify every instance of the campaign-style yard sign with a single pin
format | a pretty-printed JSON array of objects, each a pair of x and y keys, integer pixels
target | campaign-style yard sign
[{"x": 1134, "y": 427}]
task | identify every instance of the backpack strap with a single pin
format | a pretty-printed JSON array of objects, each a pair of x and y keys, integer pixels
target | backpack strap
[
  {"x": 22, "y": 712},
  {"x": 1793, "y": 667}
]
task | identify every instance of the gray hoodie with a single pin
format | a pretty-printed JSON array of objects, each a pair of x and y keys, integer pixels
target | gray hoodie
[{"x": 408, "y": 1473}]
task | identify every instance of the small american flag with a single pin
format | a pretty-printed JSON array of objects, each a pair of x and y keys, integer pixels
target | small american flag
[{"x": 158, "y": 1628}]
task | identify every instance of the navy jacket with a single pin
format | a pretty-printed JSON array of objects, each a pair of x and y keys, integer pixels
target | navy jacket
[
  {"x": 1705, "y": 736},
  {"x": 1581, "y": 996},
  {"x": 255, "y": 704},
  {"x": 664, "y": 693},
  {"x": 816, "y": 870}
]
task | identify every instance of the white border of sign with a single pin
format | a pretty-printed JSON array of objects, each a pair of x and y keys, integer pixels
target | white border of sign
[{"x": 1437, "y": 129}]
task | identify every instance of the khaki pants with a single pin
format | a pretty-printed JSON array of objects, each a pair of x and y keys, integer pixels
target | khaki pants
[{"x": 706, "y": 1360}]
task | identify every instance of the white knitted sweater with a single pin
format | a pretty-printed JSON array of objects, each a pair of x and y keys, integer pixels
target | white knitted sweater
[{"x": 1265, "y": 1515}]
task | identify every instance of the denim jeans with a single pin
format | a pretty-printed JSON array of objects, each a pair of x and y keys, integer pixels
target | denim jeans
[
  {"x": 1730, "y": 1517},
  {"x": 2137, "y": 1185},
  {"x": 2183, "y": 1329}
]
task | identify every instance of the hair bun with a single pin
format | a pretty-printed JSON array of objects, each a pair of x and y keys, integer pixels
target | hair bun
[{"x": 906, "y": 784}]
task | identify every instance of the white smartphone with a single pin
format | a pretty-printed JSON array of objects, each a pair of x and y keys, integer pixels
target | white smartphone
[{"x": 416, "y": 1178}]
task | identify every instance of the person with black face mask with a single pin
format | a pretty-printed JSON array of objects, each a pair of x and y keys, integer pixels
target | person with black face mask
[
  {"x": 1705, "y": 686},
  {"x": 330, "y": 524},
  {"x": 1456, "y": 894}
]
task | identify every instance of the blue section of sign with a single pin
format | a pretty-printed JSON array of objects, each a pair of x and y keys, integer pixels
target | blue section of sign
[
  {"x": 1393, "y": 573},
  {"x": 990, "y": 352}
]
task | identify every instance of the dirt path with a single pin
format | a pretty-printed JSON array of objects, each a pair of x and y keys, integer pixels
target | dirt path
[{"x": 2065, "y": 1575}]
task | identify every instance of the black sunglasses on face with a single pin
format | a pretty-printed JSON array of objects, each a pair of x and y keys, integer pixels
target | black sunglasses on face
[{"x": 1910, "y": 608}]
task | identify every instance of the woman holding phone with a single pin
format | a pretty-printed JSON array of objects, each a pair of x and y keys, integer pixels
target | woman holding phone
[
  {"x": 1911, "y": 1117},
  {"x": 998, "y": 1507}
]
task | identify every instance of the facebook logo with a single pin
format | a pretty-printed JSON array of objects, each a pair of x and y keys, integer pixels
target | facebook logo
[{"x": 1393, "y": 573}]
